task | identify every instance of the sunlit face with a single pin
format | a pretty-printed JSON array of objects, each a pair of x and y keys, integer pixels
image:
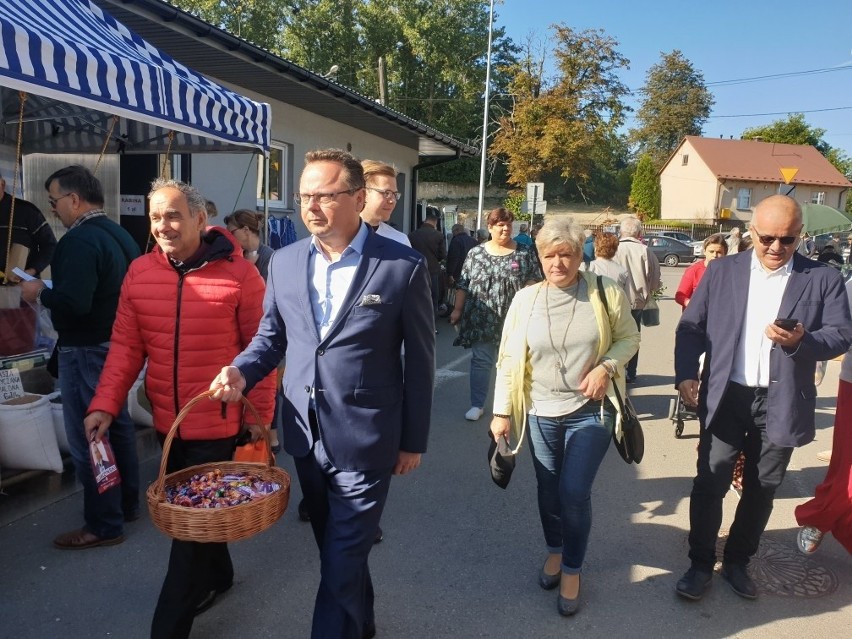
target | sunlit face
[
  {"x": 378, "y": 207},
  {"x": 560, "y": 264},
  {"x": 501, "y": 232},
  {"x": 177, "y": 232},
  {"x": 336, "y": 222},
  {"x": 775, "y": 216},
  {"x": 714, "y": 251}
]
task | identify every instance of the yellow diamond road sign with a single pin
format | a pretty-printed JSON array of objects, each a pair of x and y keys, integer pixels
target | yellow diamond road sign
[{"x": 788, "y": 174}]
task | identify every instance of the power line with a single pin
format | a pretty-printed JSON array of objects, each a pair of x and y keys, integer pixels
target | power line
[
  {"x": 754, "y": 115},
  {"x": 777, "y": 76}
]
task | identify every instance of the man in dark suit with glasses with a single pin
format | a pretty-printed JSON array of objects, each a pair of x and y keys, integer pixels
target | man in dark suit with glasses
[{"x": 763, "y": 318}]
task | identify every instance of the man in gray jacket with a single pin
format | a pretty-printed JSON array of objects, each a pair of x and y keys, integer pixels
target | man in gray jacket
[{"x": 644, "y": 270}]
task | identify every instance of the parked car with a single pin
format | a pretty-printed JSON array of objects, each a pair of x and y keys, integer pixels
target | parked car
[
  {"x": 677, "y": 235},
  {"x": 669, "y": 251}
]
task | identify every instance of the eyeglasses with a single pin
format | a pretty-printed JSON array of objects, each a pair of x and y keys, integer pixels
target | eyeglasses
[
  {"x": 769, "y": 240},
  {"x": 388, "y": 195},
  {"x": 54, "y": 200},
  {"x": 324, "y": 199}
]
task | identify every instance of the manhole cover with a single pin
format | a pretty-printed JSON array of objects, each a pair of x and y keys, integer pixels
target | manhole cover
[{"x": 779, "y": 569}]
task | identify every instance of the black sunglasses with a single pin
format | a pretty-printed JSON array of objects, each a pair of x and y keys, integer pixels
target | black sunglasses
[{"x": 769, "y": 240}]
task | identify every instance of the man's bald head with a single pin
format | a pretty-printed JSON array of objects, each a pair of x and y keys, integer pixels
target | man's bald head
[{"x": 777, "y": 218}]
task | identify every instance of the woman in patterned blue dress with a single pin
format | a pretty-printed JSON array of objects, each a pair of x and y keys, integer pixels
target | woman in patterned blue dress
[{"x": 491, "y": 275}]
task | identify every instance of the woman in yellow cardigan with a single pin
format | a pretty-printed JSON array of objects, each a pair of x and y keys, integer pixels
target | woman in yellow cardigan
[{"x": 560, "y": 356}]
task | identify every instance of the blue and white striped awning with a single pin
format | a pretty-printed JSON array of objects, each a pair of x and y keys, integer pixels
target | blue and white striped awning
[{"x": 71, "y": 52}]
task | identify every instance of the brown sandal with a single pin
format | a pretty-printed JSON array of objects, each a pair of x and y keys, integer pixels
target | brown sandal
[{"x": 81, "y": 538}]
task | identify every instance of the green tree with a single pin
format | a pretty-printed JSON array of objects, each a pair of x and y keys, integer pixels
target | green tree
[
  {"x": 675, "y": 103},
  {"x": 561, "y": 127},
  {"x": 645, "y": 191},
  {"x": 258, "y": 21}
]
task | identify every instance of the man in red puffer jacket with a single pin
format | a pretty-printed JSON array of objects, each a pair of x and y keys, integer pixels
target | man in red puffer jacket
[{"x": 189, "y": 307}]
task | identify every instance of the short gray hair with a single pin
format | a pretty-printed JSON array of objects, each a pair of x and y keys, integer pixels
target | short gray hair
[
  {"x": 631, "y": 227},
  {"x": 482, "y": 234},
  {"x": 560, "y": 230},
  {"x": 194, "y": 200}
]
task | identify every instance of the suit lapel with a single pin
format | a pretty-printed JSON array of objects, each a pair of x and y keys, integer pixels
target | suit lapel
[
  {"x": 303, "y": 286},
  {"x": 739, "y": 289},
  {"x": 795, "y": 286}
]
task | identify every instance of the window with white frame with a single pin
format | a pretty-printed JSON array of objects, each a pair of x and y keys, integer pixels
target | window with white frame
[
  {"x": 280, "y": 177},
  {"x": 743, "y": 199},
  {"x": 817, "y": 197}
]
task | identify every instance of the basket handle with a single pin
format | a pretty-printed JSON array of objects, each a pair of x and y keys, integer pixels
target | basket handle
[{"x": 167, "y": 444}]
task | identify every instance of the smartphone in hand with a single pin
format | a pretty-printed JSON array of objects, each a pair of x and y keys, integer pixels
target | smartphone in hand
[{"x": 786, "y": 323}]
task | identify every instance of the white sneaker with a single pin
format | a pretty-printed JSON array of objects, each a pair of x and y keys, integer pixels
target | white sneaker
[
  {"x": 473, "y": 414},
  {"x": 808, "y": 539}
]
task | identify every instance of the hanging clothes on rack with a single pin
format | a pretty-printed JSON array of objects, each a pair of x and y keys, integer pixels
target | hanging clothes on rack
[{"x": 282, "y": 232}]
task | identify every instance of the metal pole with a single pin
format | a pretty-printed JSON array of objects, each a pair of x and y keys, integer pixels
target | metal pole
[{"x": 485, "y": 118}]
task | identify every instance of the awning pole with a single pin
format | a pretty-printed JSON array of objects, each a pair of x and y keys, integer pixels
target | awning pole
[{"x": 265, "y": 235}]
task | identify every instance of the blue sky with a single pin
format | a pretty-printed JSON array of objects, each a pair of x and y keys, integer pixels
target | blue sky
[{"x": 725, "y": 40}]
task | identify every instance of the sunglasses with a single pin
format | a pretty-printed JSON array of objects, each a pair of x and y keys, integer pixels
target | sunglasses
[{"x": 769, "y": 240}]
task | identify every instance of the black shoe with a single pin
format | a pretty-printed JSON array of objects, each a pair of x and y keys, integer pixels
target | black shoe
[
  {"x": 737, "y": 577},
  {"x": 549, "y": 582},
  {"x": 379, "y": 535},
  {"x": 304, "y": 515},
  {"x": 694, "y": 584},
  {"x": 369, "y": 631},
  {"x": 210, "y": 598}
]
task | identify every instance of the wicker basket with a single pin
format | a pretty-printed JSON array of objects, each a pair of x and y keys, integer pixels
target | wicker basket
[{"x": 216, "y": 524}]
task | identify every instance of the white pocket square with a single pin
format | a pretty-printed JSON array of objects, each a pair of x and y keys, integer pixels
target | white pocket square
[{"x": 369, "y": 300}]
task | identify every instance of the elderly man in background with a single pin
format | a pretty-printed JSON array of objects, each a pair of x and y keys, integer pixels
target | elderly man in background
[
  {"x": 189, "y": 307},
  {"x": 29, "y": 230},
  {"x": 88, "y": 267},
  {"x": 644, "y": 270}
]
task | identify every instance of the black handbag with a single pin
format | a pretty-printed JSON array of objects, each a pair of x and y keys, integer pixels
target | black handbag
[
  {"x": 631, "y": 446},
  {"x": 501, "y": 461}
]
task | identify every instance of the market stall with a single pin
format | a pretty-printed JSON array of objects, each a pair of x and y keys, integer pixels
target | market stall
[{"x": 74, "y": 80}]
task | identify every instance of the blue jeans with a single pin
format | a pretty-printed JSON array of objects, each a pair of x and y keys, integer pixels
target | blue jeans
[
  {"x": 482, "y": 361},
  {"x": 79, "y": 370},
  {"x": 567, "y": 452}
]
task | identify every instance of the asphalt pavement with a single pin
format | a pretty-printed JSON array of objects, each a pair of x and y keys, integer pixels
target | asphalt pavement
[{"x": 460, "y": 557}]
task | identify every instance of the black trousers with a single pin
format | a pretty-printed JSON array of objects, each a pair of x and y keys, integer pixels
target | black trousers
[
  {"x": 739, "y": 426},
  {"x": 194, "y": 568}
]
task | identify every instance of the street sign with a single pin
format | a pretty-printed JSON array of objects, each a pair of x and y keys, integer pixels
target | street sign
[
  {"x": 535, "y": 192},
  {"x": 788, "y": 174}
]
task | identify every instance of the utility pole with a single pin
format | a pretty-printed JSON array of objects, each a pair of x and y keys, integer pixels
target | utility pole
[{"x": 485, "y": 118}]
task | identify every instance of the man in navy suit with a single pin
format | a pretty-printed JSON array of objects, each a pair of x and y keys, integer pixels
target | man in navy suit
[
  {"x": 757, "y": 392},
  {"x": 340, "y": 306}
]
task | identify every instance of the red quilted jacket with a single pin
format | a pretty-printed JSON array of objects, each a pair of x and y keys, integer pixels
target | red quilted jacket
[{"x": 188, "y": 326}]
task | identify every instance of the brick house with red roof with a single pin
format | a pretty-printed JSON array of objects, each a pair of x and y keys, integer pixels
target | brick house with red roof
[{"x": 709, "y": 178}]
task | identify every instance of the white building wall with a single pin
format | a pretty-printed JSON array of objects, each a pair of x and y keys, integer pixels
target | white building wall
[{"x": 687, "y": 191}]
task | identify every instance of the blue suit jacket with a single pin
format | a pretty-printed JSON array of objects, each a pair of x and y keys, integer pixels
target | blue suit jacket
[
  {"x": 371, "y": 401},
  {"x": 713, "y": 322}
]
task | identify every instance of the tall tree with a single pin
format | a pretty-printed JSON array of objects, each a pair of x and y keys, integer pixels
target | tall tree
[
  {"x": 560, "y": 126},
  {"x": 675, "y": 103},
  {"x": 645, "y": 190}
]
